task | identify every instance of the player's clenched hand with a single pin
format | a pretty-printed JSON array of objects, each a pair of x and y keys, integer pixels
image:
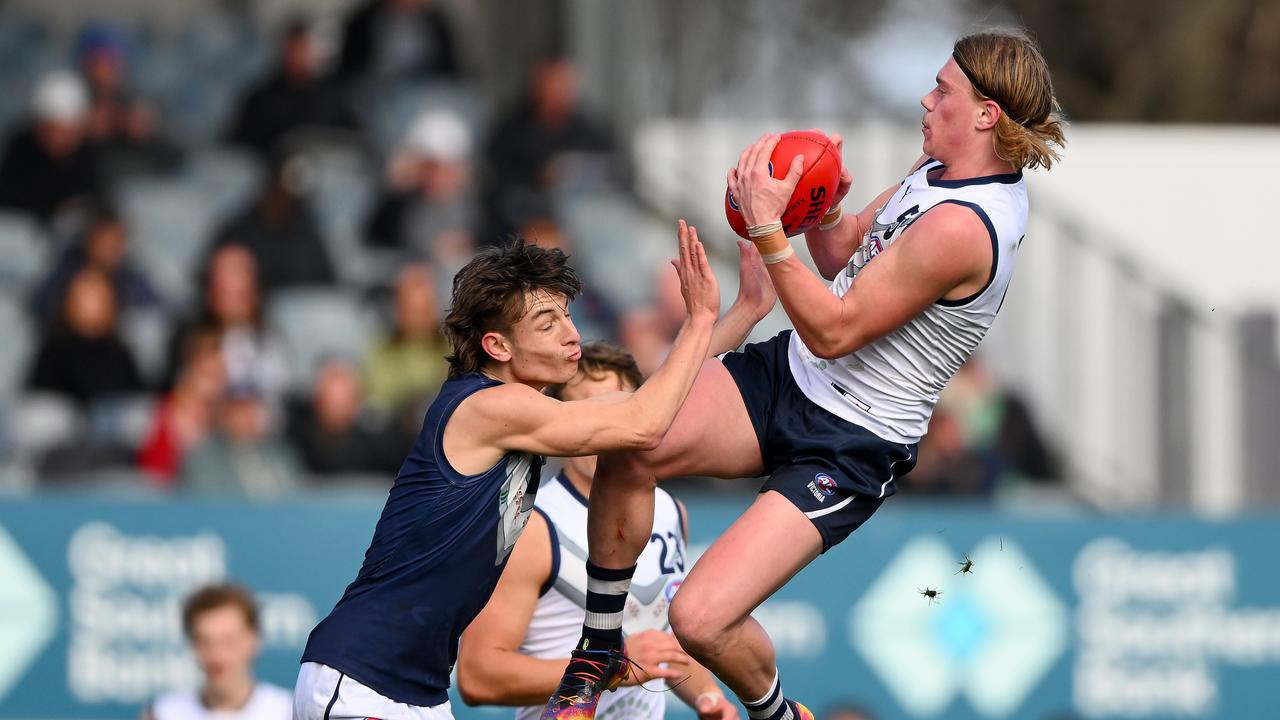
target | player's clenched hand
[
  {"x": 649, "y": 649},
  {"x": 697, "y": 283},
  {"x": 755, "y": 289},
  {"x": 762, "y": 198}
]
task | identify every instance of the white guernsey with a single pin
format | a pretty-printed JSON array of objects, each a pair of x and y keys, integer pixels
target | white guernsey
[
  {"x": 557, "y": 620},
  {"x": 891, "y": 385}
]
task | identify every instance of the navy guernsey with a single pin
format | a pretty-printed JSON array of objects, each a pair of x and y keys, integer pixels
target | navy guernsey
[{"x": 439, "y": 547}]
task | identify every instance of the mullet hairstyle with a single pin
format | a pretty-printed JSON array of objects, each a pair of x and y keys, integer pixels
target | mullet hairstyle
[
  {"x": 1006, "y": 67},
  {"x": 489, "y": 295},
  {"x": 600, "y": 358}
]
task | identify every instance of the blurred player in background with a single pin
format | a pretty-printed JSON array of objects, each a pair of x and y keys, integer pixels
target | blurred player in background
[
  {"x": 467, "y": 487},
  {"x": 514, "y": 651},
  {"x": 833, "y": 410},
  {"x": 221, "y": 621}
]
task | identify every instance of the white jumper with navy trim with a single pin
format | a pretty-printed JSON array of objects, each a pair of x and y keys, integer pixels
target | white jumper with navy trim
[{"x": 891, "y": 385}]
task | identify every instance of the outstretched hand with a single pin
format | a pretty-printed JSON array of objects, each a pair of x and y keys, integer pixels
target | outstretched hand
[
  {"x": 698, "y": 284},
  {"x": 755, "y": 289},
  {"x": 762, "y": 198}
]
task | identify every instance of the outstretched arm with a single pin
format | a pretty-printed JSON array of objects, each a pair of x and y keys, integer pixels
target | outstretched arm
[
  {"x": 517, "y": 417},
  {"x": 756, "y": 298}
]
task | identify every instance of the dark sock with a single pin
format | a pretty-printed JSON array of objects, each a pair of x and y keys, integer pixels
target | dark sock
[
  {"x": 606, "y": 597},
  {"x": 773, "y": 706}
]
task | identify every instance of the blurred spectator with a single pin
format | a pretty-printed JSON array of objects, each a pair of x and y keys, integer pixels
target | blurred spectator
[
  {"x": 649, "y": 331},
  {"x": 281, "y": 232},
  {"x": 123, "y": 128},
  {"x": 232, "y": 309},
  {"x": 243, "y": 457},
  {"x": 389, "y": 40},
  {"x": 523, "y": 152},
  {"x": 593, "y": 314},
  {"x": 184, "y": 418},
  {"x": 221, "y": 621},
  {"x": 847, "y": 711},
  {"x": 998, "y": 425},
  {"x": 427, "y": 208},
  {"x": 947, "y": 464},
  {"x": 297, "y": 95},
  {"x": 104, "y": 246},
  {"x": 404, "y": 370},
  {"x": 47, "y": 164},
  {"x": 82, "y": 355},
  {"x": 334, "y": 433}
]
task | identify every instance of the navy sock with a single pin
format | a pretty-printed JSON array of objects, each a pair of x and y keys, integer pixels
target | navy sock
[
  {"x": 606, "y": 597},
  {"x": 773, "y": 706}
]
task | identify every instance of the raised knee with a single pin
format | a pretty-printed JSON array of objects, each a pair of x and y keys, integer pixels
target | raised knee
[{"x": 698, "y": 632}]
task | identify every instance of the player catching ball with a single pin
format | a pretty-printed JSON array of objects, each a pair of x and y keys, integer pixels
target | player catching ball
[{"x": 831, "y": 411}]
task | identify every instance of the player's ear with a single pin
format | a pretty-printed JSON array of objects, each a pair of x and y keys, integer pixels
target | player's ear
[
  {"x": 497, "y": 346},
  {"x": 988, "y": 114}
]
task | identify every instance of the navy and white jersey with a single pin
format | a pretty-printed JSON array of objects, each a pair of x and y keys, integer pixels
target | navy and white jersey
[
  {"x": 891, "y": 385},
  {"x": 437, "y": 552},
  {"x": 557, "y": 619}
]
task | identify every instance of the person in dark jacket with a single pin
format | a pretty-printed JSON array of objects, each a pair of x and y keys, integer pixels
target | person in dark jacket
[
  {"x": 388, "y": 40},
  {"x": 105, "y": 246},
  {"x": 83, "y": 357},
  {"x": 46, "y": 165},
  {"x": 281, "y": 232},
  {"x": 297, "y": 95}
]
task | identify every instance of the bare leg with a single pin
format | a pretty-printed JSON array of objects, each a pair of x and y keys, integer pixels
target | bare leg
[
  {"x": 711, "y": 435},
  {"x": 711, "y": 615}
]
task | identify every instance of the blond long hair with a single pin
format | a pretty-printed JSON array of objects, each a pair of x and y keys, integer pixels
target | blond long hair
[{"x": 1006, "y": 67}]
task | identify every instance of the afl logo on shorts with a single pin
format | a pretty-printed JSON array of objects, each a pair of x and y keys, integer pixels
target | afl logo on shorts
[{"x": 825, "y": 483}]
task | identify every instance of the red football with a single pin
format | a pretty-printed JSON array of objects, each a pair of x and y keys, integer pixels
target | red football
[{"x": 816, "y": 189}]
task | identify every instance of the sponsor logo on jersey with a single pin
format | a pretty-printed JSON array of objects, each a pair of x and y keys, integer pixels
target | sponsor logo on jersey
[{"x": 672, "y": 587}]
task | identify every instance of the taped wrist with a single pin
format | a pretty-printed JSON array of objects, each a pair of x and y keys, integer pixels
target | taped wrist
[
  {"x": 831, "y": 219},
  {"x": 771, "y": 241},
  {"x": 768, "y": 238}
]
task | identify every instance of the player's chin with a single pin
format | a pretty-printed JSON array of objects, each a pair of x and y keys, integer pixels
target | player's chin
[{"x": 564, "y": 371}]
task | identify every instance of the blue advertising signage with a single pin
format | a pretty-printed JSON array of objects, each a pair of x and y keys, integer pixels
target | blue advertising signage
[{"x": 925, "y": 612}]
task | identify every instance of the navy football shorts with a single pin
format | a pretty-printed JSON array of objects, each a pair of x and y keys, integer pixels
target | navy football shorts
[{"x": 836, "y": 472}]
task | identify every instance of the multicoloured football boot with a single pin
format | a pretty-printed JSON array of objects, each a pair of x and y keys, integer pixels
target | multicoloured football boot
[{"x": 589, "y": 674}]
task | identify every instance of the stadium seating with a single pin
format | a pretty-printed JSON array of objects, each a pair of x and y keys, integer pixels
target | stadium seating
[
  {"x": 319, "y": 324},
  {"x": 24, "y": 252}
]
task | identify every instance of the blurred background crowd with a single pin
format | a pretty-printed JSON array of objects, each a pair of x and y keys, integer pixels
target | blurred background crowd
[
  {"x": 228, "y": 230},
  {"x": 226, "y": 242}
]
